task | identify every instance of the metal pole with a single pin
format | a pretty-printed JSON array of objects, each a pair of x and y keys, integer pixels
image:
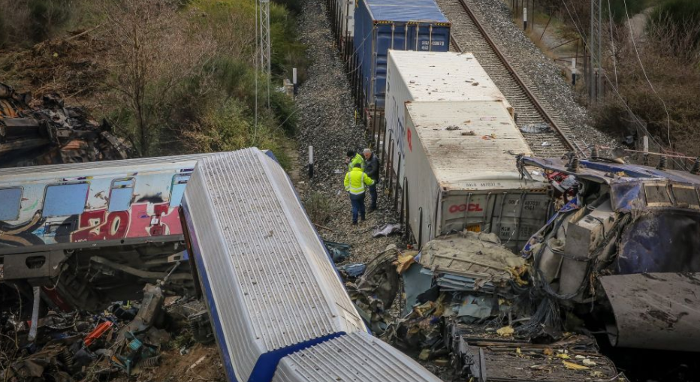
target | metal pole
[
  {"x": 600, "y": 52},
  {"x": 524, "y": 18},
  {"x": 311, "y": 161},
  {"x": 294, "y": 79}
]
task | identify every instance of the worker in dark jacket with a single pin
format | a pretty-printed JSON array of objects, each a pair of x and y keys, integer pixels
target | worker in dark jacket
[
  {"x": 356, "y": 181},
  {"x": 372, "y": 170},
  {"x": 354, "y": 158}
]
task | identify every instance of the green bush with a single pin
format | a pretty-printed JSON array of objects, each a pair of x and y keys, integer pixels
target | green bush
[
  {"x": 47, "y": 16},
  {"x": 3, "y": 31},
  {"x": 617, "y": 9}
]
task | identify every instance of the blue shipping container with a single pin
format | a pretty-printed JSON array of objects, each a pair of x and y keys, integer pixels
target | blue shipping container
[{"x": 381, "y": 25}]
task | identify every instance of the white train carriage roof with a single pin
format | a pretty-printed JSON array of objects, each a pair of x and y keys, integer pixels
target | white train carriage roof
[
  {"x": 353, "y": 357},
  {"x": 269, "y": 280},
  {"x": 467, "y": 141},
  {"x": 97, "y": 168}
]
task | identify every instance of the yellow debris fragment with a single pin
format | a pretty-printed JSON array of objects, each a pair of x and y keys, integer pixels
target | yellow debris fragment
[
  {"x": 574, "y": 366},
  {"x": 505, "y": 331},
  {"x": 563, "y": 356},
  {"x": 424, "y": 355},
  {"x": 404, "y": 261}
]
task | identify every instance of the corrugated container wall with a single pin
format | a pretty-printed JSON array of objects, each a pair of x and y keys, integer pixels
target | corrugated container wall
[
  {"x": 345, "y": 17},
  {"x": 428, "y": 76},
  {"x": 381, "y": 25},
  {"x": 461, "y": 173}
]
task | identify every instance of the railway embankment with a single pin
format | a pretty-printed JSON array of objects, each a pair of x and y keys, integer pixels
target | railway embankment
[{"x": 327, "y": 122}]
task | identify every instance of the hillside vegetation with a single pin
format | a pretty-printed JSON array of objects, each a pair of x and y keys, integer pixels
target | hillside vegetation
[
  {"x": 171, "y": 76},
  {"x": 653, "y": 79}
]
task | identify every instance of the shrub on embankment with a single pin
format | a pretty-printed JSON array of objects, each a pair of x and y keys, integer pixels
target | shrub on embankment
[{"x": 176, "y": 76}]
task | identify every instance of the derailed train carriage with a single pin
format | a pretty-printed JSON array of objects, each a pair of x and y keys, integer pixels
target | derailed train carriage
[
  {"x": 115, "y": 223},
  {"x": 279, "y": 310}
]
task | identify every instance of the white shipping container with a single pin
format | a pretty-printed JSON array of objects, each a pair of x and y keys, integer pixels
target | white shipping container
[
  {"x": 430, "y": 76},
  {"x": 461, "y": 173},
  {"x": 346, "y": 19}
]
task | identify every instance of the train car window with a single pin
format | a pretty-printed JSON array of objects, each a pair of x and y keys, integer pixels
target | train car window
[
  {"x": 120, "y": 194},
  {"x": 178, "y": 189},
  {"x": 65, "y": 199},
  {"x": 10, "y": 199}
]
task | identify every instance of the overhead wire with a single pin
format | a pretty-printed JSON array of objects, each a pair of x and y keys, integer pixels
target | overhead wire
[
  {"x": 668, "y": 116},
  {"x": 616, "y": 90},
  {"x": 612, "y": 42}
]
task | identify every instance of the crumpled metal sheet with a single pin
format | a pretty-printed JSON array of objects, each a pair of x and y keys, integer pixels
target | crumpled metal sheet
[
  {"x": 474, "y": 255},
  {"x": 655, "y": 310},
  {"x": 386, "y": 230},
  {"x": 339, "y": 251},
  {"x": 663, "y": 241}
]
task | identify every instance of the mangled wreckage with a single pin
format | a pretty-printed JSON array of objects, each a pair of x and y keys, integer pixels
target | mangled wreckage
[
  {"x": 52, "y": 132},
  {"x": 619, "y": 255},
  {"x": 627, "y": 240}
]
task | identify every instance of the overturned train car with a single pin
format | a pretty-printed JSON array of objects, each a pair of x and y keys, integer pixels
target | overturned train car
[
  {"x": 97, "y": 231},
  {"x": 627, "y": 238},
  {"x": 279, "y": 310}
]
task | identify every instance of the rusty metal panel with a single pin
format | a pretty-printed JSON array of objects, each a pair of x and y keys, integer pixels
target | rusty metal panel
[{"x": 655, "y": 310}]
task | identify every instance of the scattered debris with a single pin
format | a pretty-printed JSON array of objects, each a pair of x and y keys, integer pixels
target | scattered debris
[
  {"x": 375, "y": 291},
  {"x": 386, "y": 230},
  {"x": 52, "y": 133},
  {"x": 125, "y": 339},
  {"x": 352, "y": 270},
  {"x": 535, "y": 128},
  {"x": 339, "y": 251}
]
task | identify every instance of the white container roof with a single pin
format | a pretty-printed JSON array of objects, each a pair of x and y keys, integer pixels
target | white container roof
[
  {"x": 445, "y": 76},
  {"x": 467, "y": 141}
]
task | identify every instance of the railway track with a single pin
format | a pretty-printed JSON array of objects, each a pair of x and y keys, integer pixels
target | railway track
[{"x": 469, "y": 36}]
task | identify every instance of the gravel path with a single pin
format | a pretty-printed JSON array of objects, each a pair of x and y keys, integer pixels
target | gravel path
[
  {"x": 327, "y": 123},
  {"x": 546, "y": 78}
]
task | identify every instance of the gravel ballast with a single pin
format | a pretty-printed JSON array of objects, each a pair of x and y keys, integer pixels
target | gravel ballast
[
  {"x": 327, "y": 122},
  {"x": 550, "y": 86}
]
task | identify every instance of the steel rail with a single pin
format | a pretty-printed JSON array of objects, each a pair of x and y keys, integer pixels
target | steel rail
[{"x": 519, "y": 81}]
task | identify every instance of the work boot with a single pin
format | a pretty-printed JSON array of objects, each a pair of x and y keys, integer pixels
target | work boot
[
  {"x": 372, "y": 209},
  {"x": 354, "y": 223}
]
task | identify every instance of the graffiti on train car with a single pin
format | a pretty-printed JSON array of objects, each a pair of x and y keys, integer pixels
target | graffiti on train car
[{"x": 140, "y": 220}]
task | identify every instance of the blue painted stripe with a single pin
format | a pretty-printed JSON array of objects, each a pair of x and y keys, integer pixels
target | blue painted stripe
[
  {"x": 211, "y": 303},
  {"x": 266, "y": 365}
]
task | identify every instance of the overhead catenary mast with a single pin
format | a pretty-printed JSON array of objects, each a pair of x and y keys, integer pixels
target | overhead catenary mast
[
  {"x": 595, "y": 82},
  {"x": 265, "y": 44}
]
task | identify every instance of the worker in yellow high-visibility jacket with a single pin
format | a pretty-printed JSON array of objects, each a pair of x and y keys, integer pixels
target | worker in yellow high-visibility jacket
[
  {"x": 356, "y": 182},
  {"x": 354, "y": 158}
]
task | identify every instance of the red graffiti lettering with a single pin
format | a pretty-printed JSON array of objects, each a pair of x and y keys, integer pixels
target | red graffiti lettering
[
  {"x": 408, "y": 138},
  {"x": 101, "y": 225},
  {"x": 141, "y": 220},
  {"x": 472, "y": 207}
]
